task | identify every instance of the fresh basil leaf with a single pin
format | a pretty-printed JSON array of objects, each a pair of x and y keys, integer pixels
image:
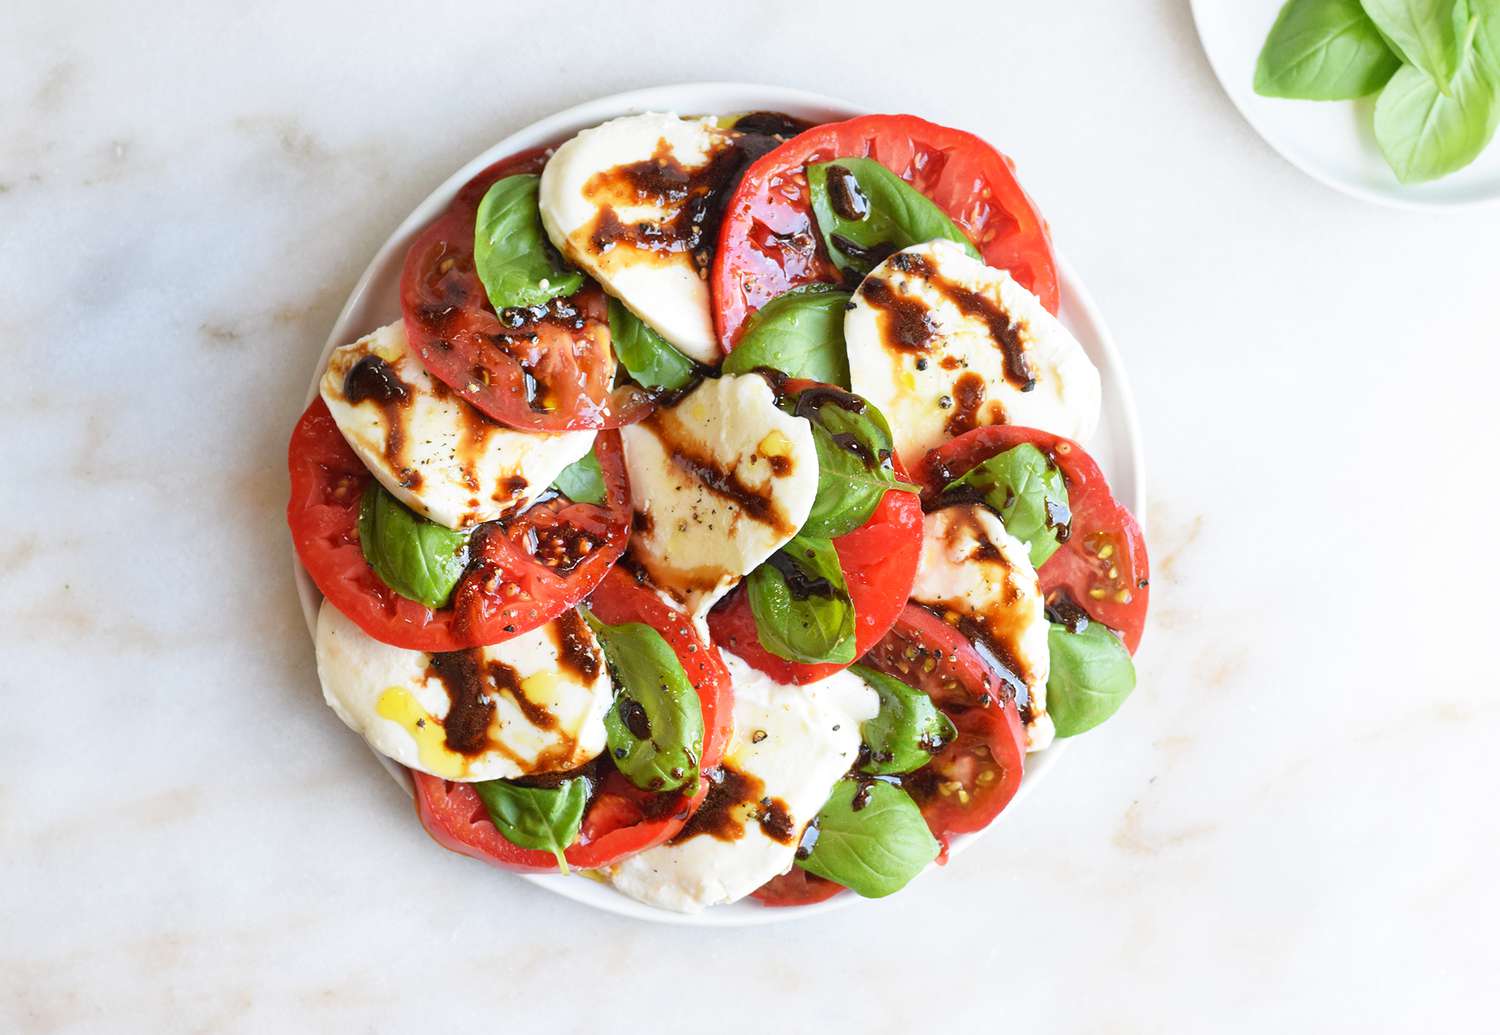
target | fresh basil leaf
[
  {"x": 907, "y": 732},
  {"x": 1323, "y": 50},
  {"x": 800, "y": 333},
  {"x": 1027, "y": 491},
  {"x": 1486, "y": 15},
  {"x": 655, "y": 727},
  {"x": 417, "y": 558},
  {"x": 865, "y": 212},
  {"x": 871, "y": 838},
  {"x": 583, "y": 481},
  {"x": 545, "y": 819},
  {"x": 1425, "y": 133},
  {"x": 855, "y": 469},
  {"x": 1091, "y": 675},
  {"x": 514, "y": 260},
  {"x": 801, "y": 604},
  {"x": 1430, "y": 34},
  {"x": 650, "y": 358}
]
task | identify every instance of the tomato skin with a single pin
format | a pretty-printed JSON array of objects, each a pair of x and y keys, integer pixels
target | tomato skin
[
  {"x": 1119, "y": 602},
  {"x": 505, "y": 591},
  {"x": 769, "y": 244},
  {"x": 494, "y": 364},
  {"x": 927, "y": 653},
  {"x": 796, "y": 887},
  {"x": 621, "y": 819},
  {"x": 879, "y": 560}
]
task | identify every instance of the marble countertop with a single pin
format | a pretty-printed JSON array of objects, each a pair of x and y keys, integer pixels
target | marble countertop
[{"x": 1291, "y": 826}]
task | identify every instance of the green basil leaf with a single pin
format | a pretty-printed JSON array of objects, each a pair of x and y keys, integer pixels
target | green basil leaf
[
  {"x": 800, "y": 333},
  {"x": 1430, "y": 34},
  {"x": 583, "y": 481},
  {"x": 651, "y": 360},
  {"x": 1486, "y": 14},
  {"x": 655, "y": 727},
  {"x": 545, "y": 819},
  {"x": 886, "y": 215},
  {"x": 419, "y": 559},
  {"x": 1323, "y": 50},
  {"x": 1027, "y": 491},
  {"x": 801, "y": 604},
  {"x": 1091, "y": 675},
  {"x": 854, "y": 466},
  {"x": 907, "y": 732},
  {"x": 1425, "y": 133},
  {"x": 871, "y": 838},
  {"x": 514, "y": 260}
]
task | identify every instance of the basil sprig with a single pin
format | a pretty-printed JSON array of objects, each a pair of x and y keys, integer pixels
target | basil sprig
[
  {"x": 514, "y": 260},
  {"x": 871, "y": 838},
  {"x": 1436, "y": 64},
  {"x": 417, "y": 558},
  {"x": 800, "y": 333},
  {"x": 855, "y": 470},
  {"x": 801, "y": 604},
  {"x": 1091, "y": 675},
  {"x": 908, "y": 730},
  {"x": 654, "y": 729},
  {"x": 583, "y": 480},
  {"x": 1027, "y": 491},
  {"x": 545, "y": 819},
  {"x": 650, "y": 358},
  {"x": 865, "y": 212}
]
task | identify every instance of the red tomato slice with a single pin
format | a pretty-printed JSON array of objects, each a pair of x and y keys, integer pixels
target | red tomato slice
[
  {"x": 1103, "y": 565},
  {"x": 970, "y": 781},
  {"x": 621, "y": 819},
  {"x": 507, "y": 589},
  {"x": 796, "y": 887},
  {"x": 547, "y": 368},
  {"x": 879, "y": 560},
  {"x": 769, "y": 242}
]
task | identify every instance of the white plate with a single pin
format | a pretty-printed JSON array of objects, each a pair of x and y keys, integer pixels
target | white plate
[
  {"x": 1331, "y": 141},
  {"x": 1116, "y": 446}
]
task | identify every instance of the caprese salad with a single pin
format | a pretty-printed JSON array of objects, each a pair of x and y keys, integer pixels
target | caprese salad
[{"x": 715, "y": 519}]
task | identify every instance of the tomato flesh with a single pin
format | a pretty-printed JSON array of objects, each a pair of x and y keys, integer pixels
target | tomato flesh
[
  {"x": 1103, "y": 565},
  {"x": 621, "y": 819},
  {"x": 796, "y": 887},
  {"x": 769, "y": 241},
  {"x": 507, "y": 589}
]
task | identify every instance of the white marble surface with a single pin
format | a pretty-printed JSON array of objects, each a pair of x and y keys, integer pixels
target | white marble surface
[{"x": 1292, "y": 826}]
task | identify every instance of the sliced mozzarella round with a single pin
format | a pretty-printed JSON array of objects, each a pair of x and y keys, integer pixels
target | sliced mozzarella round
[
  {"x": 623, "y": 202},
  {"x": 435, "y": 452},
  {"x": 942, "y": 344},
  {"x": 979, "y": 576},
  {"x": 791, "y": 745},
  {"x": 719, "y": 482},
  {"x": 533, "y": 704}
]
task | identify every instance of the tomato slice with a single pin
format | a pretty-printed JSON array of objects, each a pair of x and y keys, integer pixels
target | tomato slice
[
  {"x": 621, "y": 819},
  {"x": 970, "y": 781},
  {"x": 796, "y": 887},
  {"x": 507, "y": 589},
  {"x": 769, "y": 242},
  {"x": 1103, "y": 565},
  {"x": 879, "y": 561},
  {"x": 544, "y": 368}
]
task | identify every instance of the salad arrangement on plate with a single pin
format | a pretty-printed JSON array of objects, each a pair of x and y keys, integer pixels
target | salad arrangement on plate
[{"x": 715, "y": 520}]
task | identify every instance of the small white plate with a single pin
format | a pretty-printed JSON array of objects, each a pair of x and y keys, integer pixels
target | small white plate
[
  {"x": 1116, "y": 445},
  {"x": 1331, "y": 141}
]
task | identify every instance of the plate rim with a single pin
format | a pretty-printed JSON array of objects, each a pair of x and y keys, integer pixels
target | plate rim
[
  {"x": 670, "y": 97},
  {"x": 1411, "y": 203}
]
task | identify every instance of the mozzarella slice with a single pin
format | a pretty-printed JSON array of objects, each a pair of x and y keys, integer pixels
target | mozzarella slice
[
  {"x": 942, "y": 344},
  {"x": 792, "y": 744},
  {"x": 719, "y": 482},
  {"x": 435, "y": 452},
  {"x": 978, "y": 575},
  {"x": 623, "y": 201},
  {"x": 533, "y": 704}
]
